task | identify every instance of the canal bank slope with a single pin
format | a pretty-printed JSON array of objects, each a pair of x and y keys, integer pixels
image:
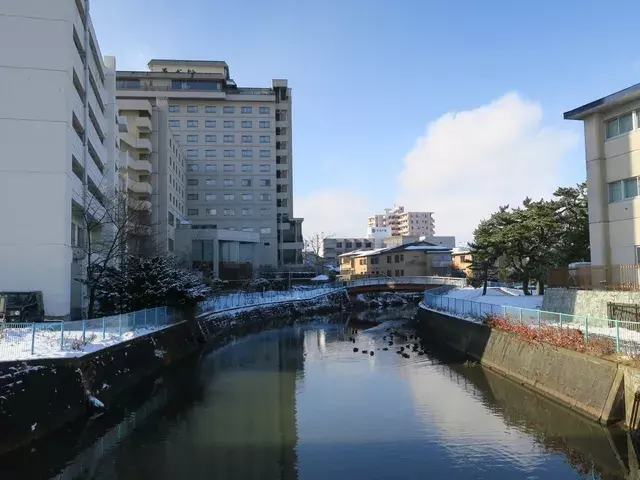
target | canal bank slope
[
  {"x": 41, "y": 395},
  {"x": 600, "y": 389}
]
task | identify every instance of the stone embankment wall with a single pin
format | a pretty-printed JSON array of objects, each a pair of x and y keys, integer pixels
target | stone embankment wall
[
  {"x": 587, "y": 384},
  {"x": 41, "y": 395},
  {"x": 592, "y": 303}
]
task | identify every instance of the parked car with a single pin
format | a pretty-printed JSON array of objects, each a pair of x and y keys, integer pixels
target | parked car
[{"x": 23, "y": 307}]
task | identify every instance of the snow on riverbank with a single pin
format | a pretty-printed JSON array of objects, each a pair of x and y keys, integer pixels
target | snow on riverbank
[{"x": 497, "y": 296}]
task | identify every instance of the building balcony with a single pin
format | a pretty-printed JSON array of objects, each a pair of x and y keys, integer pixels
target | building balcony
[
  {"x": 139, "y": 187},
  {"x": 143, "y": 124},
  {"x": 144, "y": 144},
  {"x": 126, "y": 161},
  {"x": 123, "y": 124},
  {"x": 141, "y": 205}
]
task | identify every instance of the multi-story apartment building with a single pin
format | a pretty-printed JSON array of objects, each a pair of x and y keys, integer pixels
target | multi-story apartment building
[
  {"x": 333, "y": 247},
  {"x": 612, "y": 148},
  {"x": 237, "y": 143},
  {"x": 153, "y": 168},
  {"x": 404, "y": 223},
  {"x": 58, "y": 133}
]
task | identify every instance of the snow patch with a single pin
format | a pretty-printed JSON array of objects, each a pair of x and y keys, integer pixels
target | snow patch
[
  {"x": 158, "y": 352},
  {"x": 95, "y": 402},
  {"x": 33, "y": 427}
]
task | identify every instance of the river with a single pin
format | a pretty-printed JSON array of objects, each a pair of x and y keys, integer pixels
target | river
[{"x": 299, "y": 403}]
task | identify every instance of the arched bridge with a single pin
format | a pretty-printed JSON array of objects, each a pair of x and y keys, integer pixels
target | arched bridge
[{"x": 380, "y": 283}]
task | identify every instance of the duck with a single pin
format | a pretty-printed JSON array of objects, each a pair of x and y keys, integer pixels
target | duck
[
  {"x": 406, "y": 355},
  {"x": 365, "y": 351},
  {"x": 385, "y": 349},
  {"x": 355, "y": 349},
  {"x": 371, "y": 353}
]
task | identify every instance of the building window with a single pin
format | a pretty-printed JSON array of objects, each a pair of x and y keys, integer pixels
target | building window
[
  {"x": 192, "y": 196},
  {"x": 281, "y": 145},
  {"x": 228, "y": 124},
  {"x": 192, "y": 123},
  {"x": 265, "y": 230},
  {"x": 282, "y": 174},
  {"x": 210, "y": 138},
  {"x": 209, "y": 153},
  {"x": 247, "y": 124},
  {"x": 247, "y": 196},
  {"x": 265, "y": 139},
  {"x": 247, "y": 211},
  {"x": 193, "y": 182},
  {"x": 192, "y": 212},
  {"x": 210, "y": 167},
  {"x": 265, "y": 153},
  {"x": 338, "y": 244},
  {"x": 246, "y": 182},
  {"x": 229, "y": 168},
  {"x": 192, "y": 109},
  {"x": 247, "y": 138},
  {"x": 210, "y": 123},
  {"x": 283, "y": 203},
  {"x": 265, "y": 124},
  {"x": 174, "y": 123},
  {"x": 623, "y": 189},
  {"x": 170, "y": 216},
  {"x": 229, "y": 197},
  {"x": 265, "y": 211},
  {"x": 229, "y": 212},
  {"x": 281, "y": 115},
  {"x": 247, "y": 168},
  {"x": 210, "y": 182},
  {"x": 229, "y": 182},
  {"x": 285, "y": 189},
  {"x": 229, "y": 153},
  {"x": 247, "y": 153},
  {"x": 212, "y": 212},
  {"x": 192, "y": 138},
  {"x": 265, "y": 197},
  {"x": 229, "y": 138},
  {"x": 174, "y": 108},
  {"x": 264, "y": 110},
  {"x": 192, "y": 152},
  {"x": 619, "y": 125},
  {"x": 228, "y": 109},
  {"x": 349, "y": 245},
  {"x": 209, "y": 109},
  {"x": 281, "y": 159},
  {"x": 210, "y": 197},
  {"x": 265, "y": 168},
  {"x": 192, "y": 167},
  {"x": 281, "y": 130},
  {"x": 246, "y": 109},
  {"x": 265, "y": 182}
]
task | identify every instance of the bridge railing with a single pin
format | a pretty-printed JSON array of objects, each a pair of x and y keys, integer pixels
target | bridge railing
[{"x": 351, "y": 281}]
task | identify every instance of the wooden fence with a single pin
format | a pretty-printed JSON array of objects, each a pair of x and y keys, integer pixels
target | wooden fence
[{"x": 596, "y": 277}]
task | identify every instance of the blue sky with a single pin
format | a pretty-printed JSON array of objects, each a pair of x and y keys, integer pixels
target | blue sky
[{"x": 373, "y": 82}]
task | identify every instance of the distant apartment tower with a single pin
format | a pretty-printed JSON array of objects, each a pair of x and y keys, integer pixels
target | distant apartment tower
[
  {"x": 404, "y": 223},
  {"x": 58, "y": 133},
  {"x": 237, "y": 143},
  {"x": 153, "y": 170}
]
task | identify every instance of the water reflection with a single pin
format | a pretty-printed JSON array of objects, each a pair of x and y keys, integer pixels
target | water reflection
[{"x": 299, "y": 403}]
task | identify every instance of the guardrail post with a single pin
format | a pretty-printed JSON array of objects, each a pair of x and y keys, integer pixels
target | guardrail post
[
  {"x": 155, "y": 311},
  {"x": 33, "y": 337},
  {"x": 504, "y": 311},
  {"x": 539, "y": 319},
  {"x": 560, "y": 320},
  {"x": 61, "y": 335},
  {"x": 520, "y": 314},
  {"x": 104, "y": 327},
  {"x": 586, "y": 329},
  {"x": 145, "y": 318},
  {"x": 84, "y": 330},
  {"x": 120, "y": 325},
  {"x": 617, "y": 335}
]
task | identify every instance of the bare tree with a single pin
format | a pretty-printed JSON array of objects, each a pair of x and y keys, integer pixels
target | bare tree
[
  {"x": 314, "y": 250},
  {"x": 115, "y": 224}
]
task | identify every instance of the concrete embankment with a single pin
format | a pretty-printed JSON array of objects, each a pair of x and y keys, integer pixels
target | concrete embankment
[
  {"x": 600, "y": 389},
  {"x": 41, "y": 395}
]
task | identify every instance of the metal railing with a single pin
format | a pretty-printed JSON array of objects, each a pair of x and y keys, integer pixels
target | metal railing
[
  {"x": 355, "y": 281},
  {"x": 596, "y": 277},
  {"x": 23, "y": 340},
  {"x": 234, "y": 301},
  {"x": 625, "y": 334}
]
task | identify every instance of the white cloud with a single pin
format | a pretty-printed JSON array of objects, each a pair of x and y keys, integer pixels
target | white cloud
[
  {"x": 333, "y": 211},
  {"x": 469, "y": 163}
]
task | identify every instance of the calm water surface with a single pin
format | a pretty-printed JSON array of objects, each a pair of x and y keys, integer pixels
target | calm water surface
[{"x": 300, "y": 404}]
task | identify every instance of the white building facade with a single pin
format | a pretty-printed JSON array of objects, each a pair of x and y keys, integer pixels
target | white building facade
[
  {"x": 58, "y": 133},
  {"x": 404, "y": 223}
]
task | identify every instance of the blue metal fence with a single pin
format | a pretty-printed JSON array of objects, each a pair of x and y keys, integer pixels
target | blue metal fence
[{"x": 625, "y": 334}]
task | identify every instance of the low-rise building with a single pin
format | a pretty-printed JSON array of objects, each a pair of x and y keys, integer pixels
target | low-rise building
[
  {"x": 461, "y": 261},
  {"x": 408, "y": 260},
  {"x": 332, "y": 248}
]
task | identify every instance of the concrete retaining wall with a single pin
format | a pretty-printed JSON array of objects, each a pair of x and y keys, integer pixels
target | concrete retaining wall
[
  {"x": 592, "y": 303},
  {"x": 582, "y": 382},
  {"x": 41, "y": 395}
]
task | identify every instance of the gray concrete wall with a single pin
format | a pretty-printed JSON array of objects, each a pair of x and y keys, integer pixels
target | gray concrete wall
[
  {"x": 592, "y": 303},
  {"x": 587, "y": 384}
]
